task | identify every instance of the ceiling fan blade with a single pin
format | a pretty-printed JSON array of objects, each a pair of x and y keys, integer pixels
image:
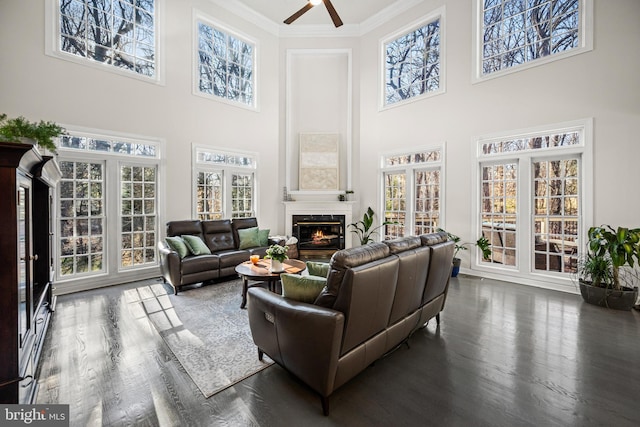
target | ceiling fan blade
[
  {"x": 332, "y": 12},
  {"x": 298, "y": 14}
]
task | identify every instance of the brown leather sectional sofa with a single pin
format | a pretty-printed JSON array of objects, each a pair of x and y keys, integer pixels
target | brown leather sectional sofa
[
  {"x": 220, "y": 236},
  {"x": 376, "y": 296}
]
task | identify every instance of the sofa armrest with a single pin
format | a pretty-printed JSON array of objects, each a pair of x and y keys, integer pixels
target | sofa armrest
[
  {"x": 303, "y": 338},
  {"x": 170, "y": 265}
]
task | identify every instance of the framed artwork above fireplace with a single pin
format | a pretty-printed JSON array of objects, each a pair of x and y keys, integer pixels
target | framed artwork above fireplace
[{"x": 319, "y": 163}]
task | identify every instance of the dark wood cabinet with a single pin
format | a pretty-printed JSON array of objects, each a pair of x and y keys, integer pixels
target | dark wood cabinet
[{"x": 27, "y": 182}]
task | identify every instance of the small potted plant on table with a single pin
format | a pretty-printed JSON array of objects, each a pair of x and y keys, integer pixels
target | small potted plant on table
[{"x": 277, "y": 254}]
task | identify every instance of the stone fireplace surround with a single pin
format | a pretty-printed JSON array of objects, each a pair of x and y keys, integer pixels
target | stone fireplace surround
[{"x": 320, "y": 208}]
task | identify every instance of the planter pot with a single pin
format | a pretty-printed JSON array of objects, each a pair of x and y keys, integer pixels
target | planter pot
[
  {"x": 610, "y": 298},
  {"x": 455, "y": 269},
  {"x": 276, "y": 266}
]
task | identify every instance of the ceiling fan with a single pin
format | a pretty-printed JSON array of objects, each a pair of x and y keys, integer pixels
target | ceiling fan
[{"x": 332, "y": 12}]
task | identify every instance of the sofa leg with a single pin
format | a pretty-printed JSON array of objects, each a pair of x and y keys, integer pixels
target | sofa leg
[
  {"x": 175, "y": 290},
  {"x": 260, "y": 355},
  {"x": 438, "y": 318},
  {"x": 325, "y": 404}
]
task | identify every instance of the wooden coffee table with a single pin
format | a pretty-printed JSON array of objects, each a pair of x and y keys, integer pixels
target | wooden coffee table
[{"x": 262, "y": 272}]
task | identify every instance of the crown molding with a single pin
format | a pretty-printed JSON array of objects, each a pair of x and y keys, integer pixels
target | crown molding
[{"x": 348, "y": 30}]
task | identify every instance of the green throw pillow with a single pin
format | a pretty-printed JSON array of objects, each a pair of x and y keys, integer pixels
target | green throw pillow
[
  {"x": 177, "y": 244},
  {"x": 248, "y": 238},
  {"x": 196, "y": 245},
  {"x": 320, "y": 269},
  {"x": 263, "y": 237},
  {"x": 302, "y": 288}
]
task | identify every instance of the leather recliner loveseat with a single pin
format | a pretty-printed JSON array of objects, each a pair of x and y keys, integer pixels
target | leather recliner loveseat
[
  {"x": 375, "y": 297},
  {"x": 222, "y": 239}
]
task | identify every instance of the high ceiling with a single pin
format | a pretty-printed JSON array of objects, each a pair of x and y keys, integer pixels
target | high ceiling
[{"x": 358, "y": 16}]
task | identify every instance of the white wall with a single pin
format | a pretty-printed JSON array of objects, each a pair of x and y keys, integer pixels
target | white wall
[
  {"x": 38, "y": 86},
  {"x": 602, "y": 84}
]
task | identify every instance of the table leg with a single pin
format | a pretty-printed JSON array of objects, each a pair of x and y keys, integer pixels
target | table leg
[{"x": 245, "y": 287}]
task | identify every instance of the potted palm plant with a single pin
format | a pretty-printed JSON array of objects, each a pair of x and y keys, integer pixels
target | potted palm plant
[
  {"x": 607, "y": 274},
  {"x": 364, "y": 229}
]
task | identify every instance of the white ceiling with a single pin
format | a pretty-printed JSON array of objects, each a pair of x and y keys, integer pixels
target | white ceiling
[
  {"x": 350, "y": 11},
  {"x": 359, "y": 16}
]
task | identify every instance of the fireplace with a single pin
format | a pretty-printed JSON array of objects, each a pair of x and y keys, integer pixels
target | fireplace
[{"x": 318, "y": 235}]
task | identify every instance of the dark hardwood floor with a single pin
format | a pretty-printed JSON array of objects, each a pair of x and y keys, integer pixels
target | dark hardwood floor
[{"x": 504, "y": 355}]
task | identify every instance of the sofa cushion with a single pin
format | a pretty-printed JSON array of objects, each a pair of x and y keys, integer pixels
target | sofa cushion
[
  {"x": 196, "y": 245},
  {"x": 403, "y": 244},
  {"x": 189, "y": 226},
  {"x": 198, "y": 264},
  {"x": 218, "y": 235},
  {"x": 320, "y": 269},
  {"x": 239, "y": 224},
  {"x": 263, "y": 237},
  {"x": 301, "y": 288},
  {"x": 177, "y": 244},
  {"x": 232, "y": 258},
  {"x": 249, "y": 238}
]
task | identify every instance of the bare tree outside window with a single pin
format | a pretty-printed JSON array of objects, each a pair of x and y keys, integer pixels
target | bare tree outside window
[
  {"x": 120, "y": 33},
  {"x": 225, "y": 65},
  {"x": 413, "y": 63},
  {"x": 520, "y": 31}
]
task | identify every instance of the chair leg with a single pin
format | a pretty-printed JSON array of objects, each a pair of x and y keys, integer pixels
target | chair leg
[
  {"x": 325, "y": 405},
  {"x": 260, "y": 355}
]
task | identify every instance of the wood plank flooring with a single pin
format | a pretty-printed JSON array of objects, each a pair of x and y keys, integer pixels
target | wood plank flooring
[{"x": 504, "y": 355}]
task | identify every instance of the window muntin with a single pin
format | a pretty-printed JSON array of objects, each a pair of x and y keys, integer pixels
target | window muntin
[
  {"x": 395, "y": 185},
  {"x": 556, "y": 201},
  {"x": 427, "y": 201},
  {"x": 412, "y": 185},
  {"x": 515, "y": 32},
  {"x": 138, "y": 229},
  {"x": 542, "y": 173},
  {"x": 226, "y": 65},
  {"x": 499, "y": 211},
  {"x": 412, "y": 63},
  {"x": 81, "y": 218},
  {"x": 119, "y": 33},
  {"x": 209, "y": 191},
  {"x": 224, "y": 183}
]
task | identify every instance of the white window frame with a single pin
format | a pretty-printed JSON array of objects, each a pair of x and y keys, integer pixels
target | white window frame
[
  {"x": 585, "y": 43},
  {"x": 226, "y": 169},
  {"x": 113, "y": 272},
  {"x": 523, "y": 272},
  {"x": 438, "y": 14},
  {"x": 409, "y": 170},
  {"x": 198, "y": 17},
  {"x": 53, "y": 48}
]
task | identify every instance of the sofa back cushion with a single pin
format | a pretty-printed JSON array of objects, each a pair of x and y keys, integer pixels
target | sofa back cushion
[
  {"x": 413, "y": 266},
  {"x": 241, "y": 223},
  {"x": 190, "y": 226},
  {"x": 439, "y": 270},
  {"x": 341, "y": 261},
  {"x": 365, "y": 298},
  {"x": 218, "y": 235},
  {"x": 402, "y": 244}
]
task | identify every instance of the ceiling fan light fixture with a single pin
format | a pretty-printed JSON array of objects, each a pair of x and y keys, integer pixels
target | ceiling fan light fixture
[{"x": 315, "y": 2}]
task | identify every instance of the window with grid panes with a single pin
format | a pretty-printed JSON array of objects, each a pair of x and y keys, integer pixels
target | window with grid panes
[
  {"x": 209, "y": 195},
  {"x": 117, "y": 33}
]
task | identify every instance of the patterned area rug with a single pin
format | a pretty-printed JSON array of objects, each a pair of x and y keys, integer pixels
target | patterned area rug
[{"x": 208, "y": 332}]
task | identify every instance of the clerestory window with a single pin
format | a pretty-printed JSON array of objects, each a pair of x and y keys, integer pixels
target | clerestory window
[
  {"x": 512, "y": 33},
  {"x": 413, "y": 66},
  {"x": 225, "y": 64},
  {"x": 117, "y": 33}
]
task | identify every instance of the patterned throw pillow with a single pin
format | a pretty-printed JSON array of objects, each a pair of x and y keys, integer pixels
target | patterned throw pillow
[
  {"x": 301, "y": 288},
  {"x": 249, "y": 238},
  {"x": 196, "y": 245},
  {"x": 177, "y": 244}
]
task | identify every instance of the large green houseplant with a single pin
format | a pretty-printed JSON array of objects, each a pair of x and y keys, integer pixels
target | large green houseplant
[
  {"x": 608, "y": 273},
  {"x": 364, "y": 229},
  {"x": 43, "y": 133}
]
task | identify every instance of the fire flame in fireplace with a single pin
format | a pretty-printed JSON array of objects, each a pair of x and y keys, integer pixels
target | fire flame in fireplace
[{"x": 318, "y": 236}]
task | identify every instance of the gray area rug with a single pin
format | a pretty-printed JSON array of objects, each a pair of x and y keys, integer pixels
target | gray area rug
[{"x": 208, "y": 333}]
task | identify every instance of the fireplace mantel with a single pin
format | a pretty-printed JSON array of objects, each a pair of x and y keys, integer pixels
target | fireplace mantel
[{"x": 319, "y": 208}]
